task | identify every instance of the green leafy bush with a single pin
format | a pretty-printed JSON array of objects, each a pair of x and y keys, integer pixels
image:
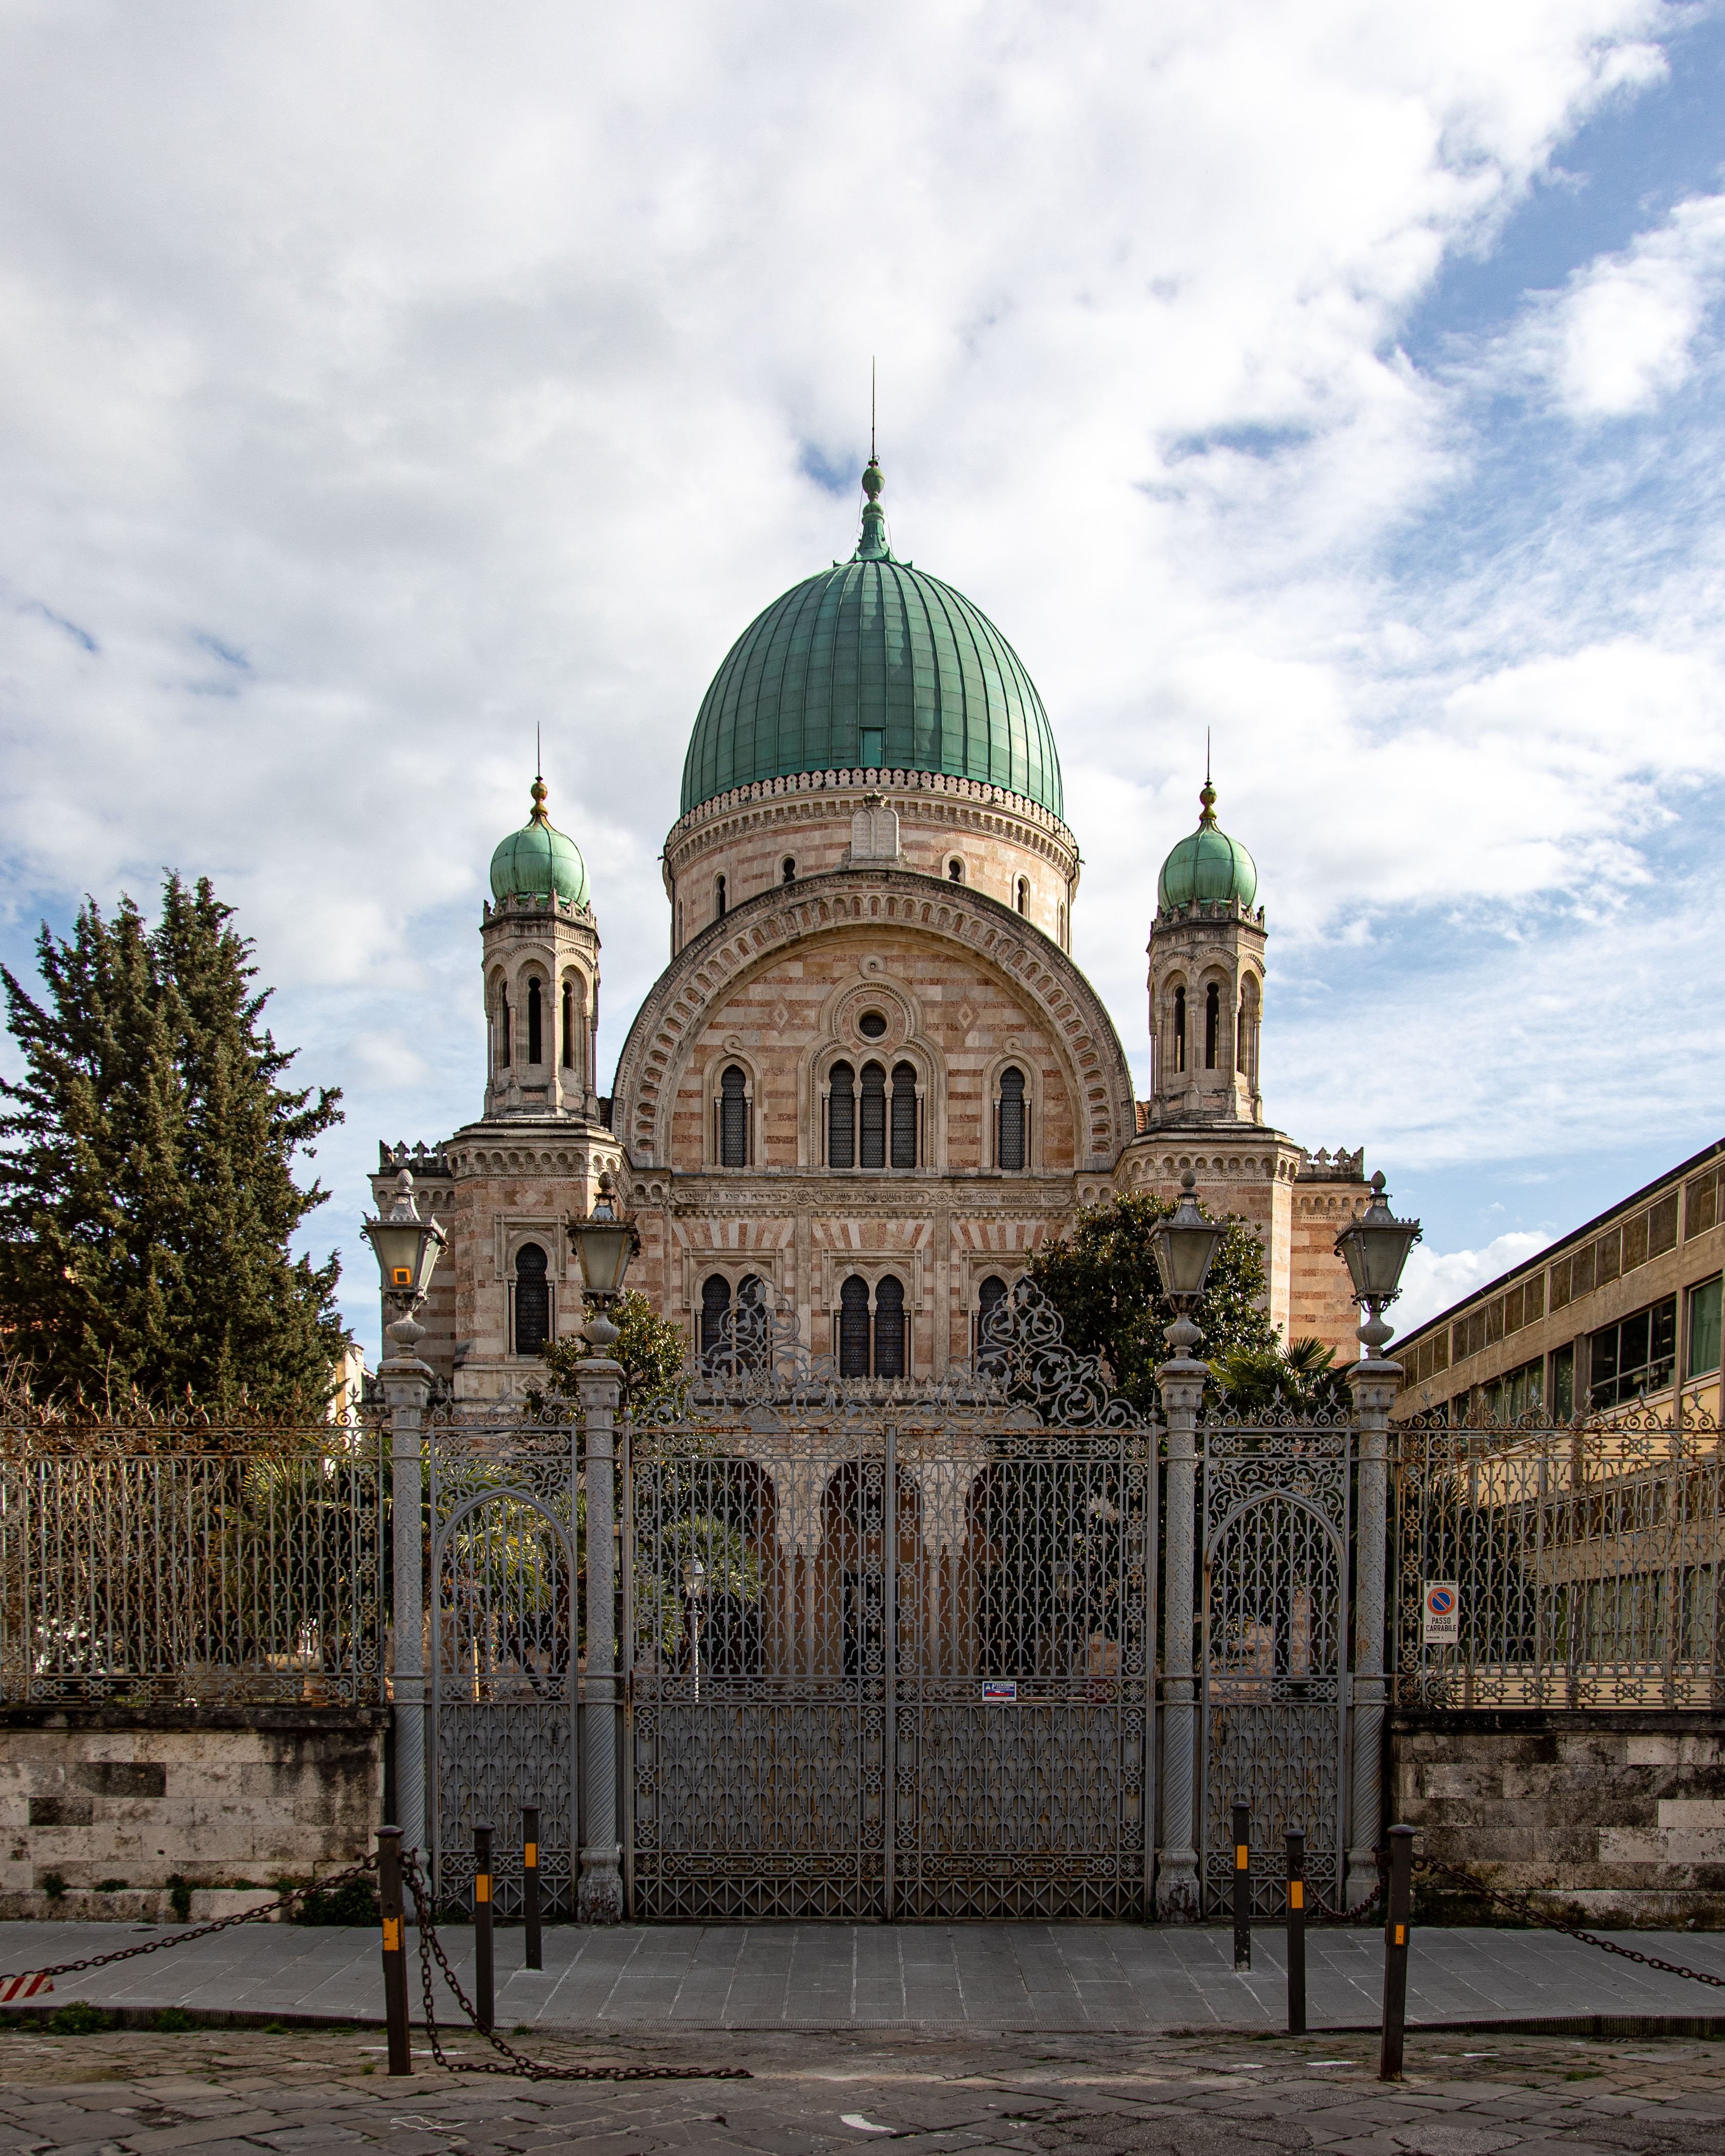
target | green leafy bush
[{"x": 78, "y": 2019}]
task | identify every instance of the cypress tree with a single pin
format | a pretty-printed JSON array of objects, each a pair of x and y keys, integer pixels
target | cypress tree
[{"x": 146, "y": 1193}]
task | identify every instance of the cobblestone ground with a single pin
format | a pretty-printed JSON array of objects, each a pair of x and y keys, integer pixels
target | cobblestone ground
[{"x": 223, "y": 2092}]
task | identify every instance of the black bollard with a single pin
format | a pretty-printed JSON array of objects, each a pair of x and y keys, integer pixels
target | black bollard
[
  {"x": 485, "y": 1968},
  {"x": 1242, "y": 1884},
  {"x": 1296, "y": 1931},
  {"x": 395, "y": 1957},
  {"x": 530, "y": 1884},
  {"x": 1396, "y": 1928}
]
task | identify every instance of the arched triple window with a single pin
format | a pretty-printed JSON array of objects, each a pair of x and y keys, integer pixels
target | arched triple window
[
  {"x": 732, "y": 1110},
  {"x": 535, "y": 1024},
  {"x": 1012, "y": 1121},
  {"x": 873, "y": 1343},
  {"x": 869, "y": 1123},
  {"x": 532, "y": 1299},
  {"x": 1024, "y": 894},
  {"x": 1211, "y": 1024},
  {"x": 1180, "y": 1029}
]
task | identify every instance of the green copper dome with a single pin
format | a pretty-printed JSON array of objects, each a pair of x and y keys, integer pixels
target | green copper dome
[
  {"x": 872, "y": 665},
  {"x": 1208, "y": 865},
  {"x": 538, "y": 860}
]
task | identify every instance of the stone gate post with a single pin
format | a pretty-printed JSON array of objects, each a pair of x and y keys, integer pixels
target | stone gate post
[
  {"x": 1374, "y": 1385},
  {"x": 600, "y": 1898},
  {"x": 406, "y": 1393},
  {"x": 1181, "y": 1383}
]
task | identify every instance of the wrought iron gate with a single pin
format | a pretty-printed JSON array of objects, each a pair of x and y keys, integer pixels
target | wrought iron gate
[
  {"x": 1274, "y": 1669},
  {"x": 890, "y": 1653},
  {"x": 504, "y": 1627}
]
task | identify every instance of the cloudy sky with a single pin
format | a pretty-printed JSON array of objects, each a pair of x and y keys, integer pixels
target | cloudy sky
[{"x": 381, "y": 381}]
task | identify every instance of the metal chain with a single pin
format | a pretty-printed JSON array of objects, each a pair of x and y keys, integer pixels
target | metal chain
[
  {"x": 1327, "y": 1915},
  {"x": 257, "y": 1915},
  {"x": 533, "y": 2070},
  {"x": 1523, "y": 1906}
]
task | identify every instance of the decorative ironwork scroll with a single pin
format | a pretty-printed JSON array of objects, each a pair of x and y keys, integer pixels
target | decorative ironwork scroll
[
  {"x": 1274, "y": 1673},
  {"x": 889, "y": 1645},
  {"x": 506, "y": 1506}
]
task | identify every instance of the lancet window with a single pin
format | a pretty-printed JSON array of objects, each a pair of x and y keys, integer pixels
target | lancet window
[{"x": 532, "y": 1299}]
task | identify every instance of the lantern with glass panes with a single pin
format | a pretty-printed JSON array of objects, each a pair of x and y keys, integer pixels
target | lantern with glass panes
[
  {"x": 407, "y": 1249},
  {"x": 604, "y": 1242},
  {"x": 1183, "y": 1245},
  {"x": 1376, "y": 1246}
]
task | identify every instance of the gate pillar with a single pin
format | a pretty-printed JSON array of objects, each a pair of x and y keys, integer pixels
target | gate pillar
[
  {"x": 599, "y": 1899},
  {"x": 1181, "y": 1383},
  {"x": 1373, "y": 1383},
  {"x": 407, "y": 1393}
]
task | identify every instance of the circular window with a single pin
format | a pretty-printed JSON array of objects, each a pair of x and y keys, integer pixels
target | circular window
[{"x": 871, "y": 1025}]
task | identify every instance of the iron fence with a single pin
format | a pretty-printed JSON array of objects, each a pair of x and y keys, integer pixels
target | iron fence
[
  {"x": 151, "y": 1567},
  {"x": 1582, "y": 1564}
]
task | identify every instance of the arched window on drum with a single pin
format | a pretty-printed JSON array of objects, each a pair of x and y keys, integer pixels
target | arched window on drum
[
  {"x": 532, "y": 1299},
  {"x": 1012, "y": 1122},
  {"x": 731, "y": 1110}
]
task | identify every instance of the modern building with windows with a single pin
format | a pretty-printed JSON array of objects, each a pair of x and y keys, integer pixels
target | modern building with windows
[
  {"x": 871, "y": 1081},
  {"x": 1623, "y": 1310}
]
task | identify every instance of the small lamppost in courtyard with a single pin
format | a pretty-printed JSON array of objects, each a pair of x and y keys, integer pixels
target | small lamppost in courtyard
[{"x": 407, "y": 1249}]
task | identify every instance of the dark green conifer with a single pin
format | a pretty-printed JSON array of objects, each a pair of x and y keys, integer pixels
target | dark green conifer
[{"x": 146, "y": 1193}]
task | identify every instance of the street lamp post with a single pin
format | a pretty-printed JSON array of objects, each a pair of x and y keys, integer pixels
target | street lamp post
[
  {"x": 1184, "y": 1245},
  {"x": 407, "y": 1248},
  {"x": 604, "y": 1242},
  {"x": 1376, "y": 1247}
]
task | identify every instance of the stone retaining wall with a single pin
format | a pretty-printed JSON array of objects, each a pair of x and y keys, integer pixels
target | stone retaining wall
[
  {"x": 222, "y": 1797},
  {"x": 1619, "y": 1815}
]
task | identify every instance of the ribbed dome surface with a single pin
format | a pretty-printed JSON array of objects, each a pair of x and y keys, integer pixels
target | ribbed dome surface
[
  {"x": 872, "y": 665},
  {"x": 1207, "y": 864}
]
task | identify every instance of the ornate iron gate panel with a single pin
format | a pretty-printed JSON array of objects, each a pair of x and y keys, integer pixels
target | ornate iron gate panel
[
  {"x": 504, "y": 1621},
  {"x": 1274, "y": 1666},
  {"x": 889, "y": 1648}
]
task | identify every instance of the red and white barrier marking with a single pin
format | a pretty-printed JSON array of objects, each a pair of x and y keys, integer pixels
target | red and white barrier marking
[{"x": 23, "y": 1987}]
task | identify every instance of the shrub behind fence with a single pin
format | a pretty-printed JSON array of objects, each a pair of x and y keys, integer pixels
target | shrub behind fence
[{"x": 150, "y": 1568}]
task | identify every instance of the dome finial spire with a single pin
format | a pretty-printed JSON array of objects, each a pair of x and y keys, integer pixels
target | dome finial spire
[
  {"x": 1207, "y": 793},
  {"x": 536, "y": 790}
]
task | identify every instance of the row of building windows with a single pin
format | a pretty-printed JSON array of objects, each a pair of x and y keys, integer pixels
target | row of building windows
[
  {"x": 870, "y": 1334},
  {"x": 1624, "y": 1247},
  {"x": 535, "y": 1027},
  {"x": 1618, "y": 1363},
  {"x": 873, "y": 1119}
]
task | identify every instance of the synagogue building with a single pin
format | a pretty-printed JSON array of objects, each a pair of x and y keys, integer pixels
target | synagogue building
[{"x": 871, "y": 1081}]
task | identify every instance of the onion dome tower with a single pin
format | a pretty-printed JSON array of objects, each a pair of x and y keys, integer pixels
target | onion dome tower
[
  {"x": 542, "y": 973},
  {"x": 1206, "y": 979}
]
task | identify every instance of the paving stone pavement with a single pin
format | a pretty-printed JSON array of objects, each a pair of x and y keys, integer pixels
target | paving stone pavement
[
  {"x": 1044, "y": 1977},
  {"x": 238, "y": 2093}
]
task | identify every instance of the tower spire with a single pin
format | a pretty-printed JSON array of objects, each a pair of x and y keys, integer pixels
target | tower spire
[
  {"x": 872, "y": 546},
  {"x": 1207, "y": 793}
]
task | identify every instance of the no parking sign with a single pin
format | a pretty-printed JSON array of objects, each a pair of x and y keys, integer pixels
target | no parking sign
[{"x": 1443, "y": 1613}]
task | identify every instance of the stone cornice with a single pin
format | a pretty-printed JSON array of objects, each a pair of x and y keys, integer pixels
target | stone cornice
[
  {"x": 1076, "y": 1022},
  {"x": 905, "y": 786}
]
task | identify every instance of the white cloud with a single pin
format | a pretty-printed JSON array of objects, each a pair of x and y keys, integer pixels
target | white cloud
[
  {"x": 1434, "y": 1279},
  {"x": 455, "y": 371},
  {"x": 1623, "y": 332}
]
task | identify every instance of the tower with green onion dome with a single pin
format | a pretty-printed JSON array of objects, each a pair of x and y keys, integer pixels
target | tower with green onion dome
[
  {"x": 1206, "y": 979},
  {"x": 542, "y": 973}
]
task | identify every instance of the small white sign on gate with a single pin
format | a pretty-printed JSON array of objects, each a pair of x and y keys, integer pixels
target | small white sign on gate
[
  {"x": 1442, "y": 1626},
  {"x": 1000, "y": 1688}
]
